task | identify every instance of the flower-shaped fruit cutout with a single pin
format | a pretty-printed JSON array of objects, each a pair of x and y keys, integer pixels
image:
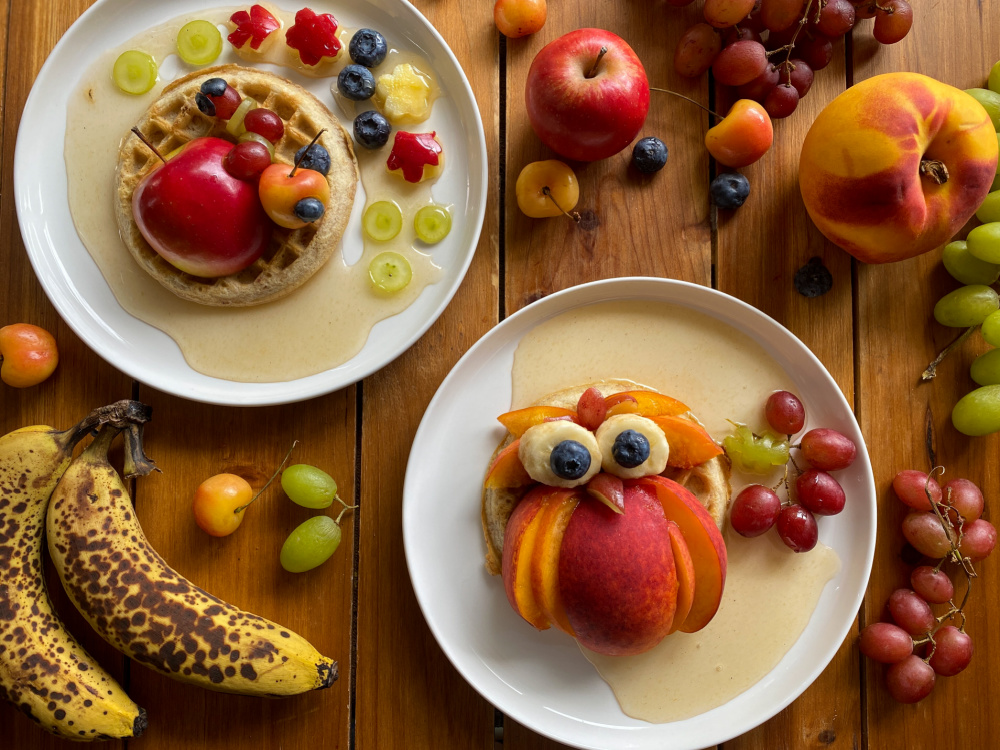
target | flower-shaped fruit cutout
[
  {"x": 314, "y": 36},
  {"x": 415, "y": 156},
  {"x": 253, "y": 26}
]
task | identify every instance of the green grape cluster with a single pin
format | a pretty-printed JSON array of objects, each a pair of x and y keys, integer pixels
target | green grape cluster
[
  {"x": 755, "y": 454},
  {"x": 313, "y": 541}
]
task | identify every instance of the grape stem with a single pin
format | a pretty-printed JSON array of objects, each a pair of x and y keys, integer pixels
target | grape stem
[
  {"x": 791, "y": 42},
  {"x": 275, "y": 474},
  {"x": 688, "y": 98},
  {"x": 593, "y": 71},
  {"x": 299, "y": 161},
  {"x": 342, "y": 510},
  {"x": 931, "y": 371},
  {"x": 575, "y": 216},
  {"x": 149, "y": 145}
]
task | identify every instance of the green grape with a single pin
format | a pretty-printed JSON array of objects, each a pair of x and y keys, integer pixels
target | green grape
[
  {"x": 389, "y": 272},
  {"x": 966, "y": 306},
  {"x": 308, "y": 486},
  {"x": 984, "y": 242},
  {"x": 978, "y": 413},
  {"x": 382, "y": 220},
  {"x": 985, "y": 369},
  {"x": 235, "y": 125},
  {"x": 251, "y": 136},
  {"x": 310, "y": 544},
  {"x": 989, "y": 210},
  {"x": 990, "y": 101},
  {"x": 199, "y": 42},
  {"x": 991, "y": 329},
  {"x": 993, "y": 83},
  {"x": 432, "y": 223},
  {"x": 965, "y": 266},
  {"x": 134, "y": 72},
  {"x": 755, "y": 454}
]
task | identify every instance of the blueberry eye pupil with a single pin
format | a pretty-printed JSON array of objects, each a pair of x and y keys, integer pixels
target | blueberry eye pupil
[
  {"x": 631, "y": 448},
  {"x": 569, "y": 460}
]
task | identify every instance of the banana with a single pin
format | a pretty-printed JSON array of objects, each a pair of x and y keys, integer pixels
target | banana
[
  {"x": 43, "y": 670},
  {"x": 150, "y": 612}
]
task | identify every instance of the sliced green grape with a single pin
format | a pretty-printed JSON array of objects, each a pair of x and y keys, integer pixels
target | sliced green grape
[
  {"x": 991, "y": 329},
  {"x": 199, "y": 42},
  {"x": 984, "y": 242},
  {"x": 755, "y": 454},
  {"x": 308, "y": 486},
  {"x": 310, "y": 544},
  {"x": 965, "y": 266},
  {"x": 989, "y": 209},
  {"x": 382, "y": 220},
  {"x": 990, "y": 101},
  {"x": 432, "y": 223},
  {"x": 390, "y": 272},
  {"x": 978, "y": 413},
  {"x": 966, "y": 306},
  {"x": 249, "y": 136},
  {"x": 985, "y": 368},
  {"x": 134, "y": 72},
  {"x": 235, "y": 126}
]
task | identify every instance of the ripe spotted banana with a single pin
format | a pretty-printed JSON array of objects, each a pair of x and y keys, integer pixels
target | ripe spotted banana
[
  {"x": 150, "y": 612},
  {"x": 43, "y": 670}
]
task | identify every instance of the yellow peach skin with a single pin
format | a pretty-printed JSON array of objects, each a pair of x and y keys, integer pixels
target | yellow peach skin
[{"x": 895, "y": 165}]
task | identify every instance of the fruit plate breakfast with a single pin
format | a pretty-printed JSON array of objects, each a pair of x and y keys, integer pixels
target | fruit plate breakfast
[
  {"x": 547, "y": 371},
  {"x": 251, "y": 204}
]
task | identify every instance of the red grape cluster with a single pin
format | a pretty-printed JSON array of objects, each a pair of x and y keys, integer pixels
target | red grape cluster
[
  {"x": 757, "y": 508},
  {"x": 944, "y": 524},
  {"x": 768, "y": 50}
]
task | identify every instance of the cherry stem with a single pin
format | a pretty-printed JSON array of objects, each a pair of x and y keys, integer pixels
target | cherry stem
[
  {"x": 934, "y": 170},
  {"x": 548, "y": 194},
  {"x": 688, "y": 98},
  {"x": 302, "y": 156},
  {"x": 275, "y": 474},
  {"x": 791, "y": 42},
  {"x": 931, "y": 371},
  {"x": 593, "y": 70},
  {"x": 149, "y": 145}
]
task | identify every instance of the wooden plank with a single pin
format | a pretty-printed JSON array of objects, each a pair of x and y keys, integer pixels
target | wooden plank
[
  {"x": 897, "y": 337},
  {"x": 408, "y": 694}
]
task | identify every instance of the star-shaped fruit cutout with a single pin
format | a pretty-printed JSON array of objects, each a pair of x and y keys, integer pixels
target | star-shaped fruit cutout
[
  {"x": 253, "y": 26},
  {"x": 412, "y": 153},
  {"x": 314, "y": 36}
]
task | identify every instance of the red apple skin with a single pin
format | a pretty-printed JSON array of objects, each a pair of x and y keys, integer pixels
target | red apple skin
[
  {"x": 581, "y": 118},
  {"x": 617, "y": 579},
  {"x": 197, "y": 216}
]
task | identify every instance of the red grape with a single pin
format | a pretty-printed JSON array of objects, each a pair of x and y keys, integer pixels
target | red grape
[
  {"x": 952, "y": 652},
  {"x": 817, "y": 52},
  {"x": 724, "y": 13},
  {"x": 783, "y": 410},
  {"x": 827, "y": 449},
  {"x": 925, "y": 533},
  {"x": 755, "y": 510},
  {"x": 894, "y": 23},
  {"x": 781, "y": 101},
  {"x": 836, "y": 18},
  {"x": 245, "y": 161},
  {"x": 264, "y": 122},
  {"x": 779, "y": 15},
  {"x": 965, "y": 497},
  {"x": 696, "y": 50},
  {"x": 797, "y": 528},
  {"x": 760, "y": 86},
  {"x": 737, "y": 34},
  {"x": 978, "y": 540},
  {"x": 912, "y": 486},
  {"x": 910, "y": 680},
  {"x": 754, "y": 22},
  {"x": 776, "y": 39},
  {"x": 865, "y": 9},
  {"x": 933, "y": 585},
  {"x": 819, "y": 492},
  {"x": 910, "y": 612},
  {"x": 885, "y": 642},
  {"x": 739, "y": 63},
  {"x": 801, "y": 76}
]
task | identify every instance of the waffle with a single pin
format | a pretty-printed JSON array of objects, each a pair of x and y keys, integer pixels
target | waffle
[
  {"x": 292, "y": 256},
  {"x": 709, "y": 482}
]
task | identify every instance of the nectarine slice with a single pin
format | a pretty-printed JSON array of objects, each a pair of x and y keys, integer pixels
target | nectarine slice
[
  {"x": 519, "y": 420},
  {"x": 646, "y": 403},
  {"x": 557, "y": 508},
  {"x": 609, "y": 489},
  {"x": 518, "y": 548},
  {"x": 507, "y": 470},
  {"x": 690, "y": 444},
  {"x": 704, "y": 541},
  {"x": 685, "y": 575}
]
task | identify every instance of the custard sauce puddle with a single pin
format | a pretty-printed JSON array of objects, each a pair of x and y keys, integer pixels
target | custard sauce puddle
[{"x": 721, "y": 374}]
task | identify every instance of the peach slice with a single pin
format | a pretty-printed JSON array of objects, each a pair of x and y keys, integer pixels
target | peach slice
[
  {"x": 518, "y": 548},
  {"x": 647, "y": 403},
  {"x": 690, "y": 444},
  {"x": 507, "y": 470},
  {"x": 609, "y": 490},
  {"x": 704, "y": 541},
  {"x": 557, "y": 508},
  {"x": 519, "y": 420},
  {"x": 685, "y": 575}
]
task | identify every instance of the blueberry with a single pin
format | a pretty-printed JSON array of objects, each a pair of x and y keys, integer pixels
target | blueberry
[
  {"x": 569, "y": 460},
  {"x": 631, "y": 448},
  {"x": 368, "y": 48},
  {"x": 214, "y": 87},
  {"x": 813, "y": 279},
  {"x": 371, "y": 129},
  {"x": 309, "y": 209},
  {"x": 206, "y": 105},
  {"x": 649, "y": 155},
  {"x": 317, "y": 159},
  {"x": 729, "y": 190},
  {"x": 356, "y": 82}
]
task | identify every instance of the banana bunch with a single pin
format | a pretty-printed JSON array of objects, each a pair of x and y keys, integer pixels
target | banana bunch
[
  {"x": 44, "y": 671},
  {"x": 150, "y": 612}
]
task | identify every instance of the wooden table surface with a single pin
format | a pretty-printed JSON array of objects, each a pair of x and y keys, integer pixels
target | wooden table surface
[{"x": 873, "y": 331}]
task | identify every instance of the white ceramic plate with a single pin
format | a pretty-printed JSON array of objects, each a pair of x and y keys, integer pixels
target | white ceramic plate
[
  {"x": 540, "y": 678},
  {"x": 73, "y": 281}
]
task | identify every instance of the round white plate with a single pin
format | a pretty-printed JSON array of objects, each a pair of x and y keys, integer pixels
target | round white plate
[
  {"x": 540, "y": 678},
  {"x": 73, "y": 281}
]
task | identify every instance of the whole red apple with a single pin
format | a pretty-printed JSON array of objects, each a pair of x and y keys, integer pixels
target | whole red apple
[
  {"x": 197, "y": 216},
  {"x": 587, "y": 95}
]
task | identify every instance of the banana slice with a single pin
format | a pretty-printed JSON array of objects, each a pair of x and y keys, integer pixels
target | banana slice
[
  {"x": 560, "y": 453},
  {"x": 632, "y": 446}
]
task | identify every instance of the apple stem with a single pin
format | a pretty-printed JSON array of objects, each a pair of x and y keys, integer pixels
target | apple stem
[
  {"x": 593, "y": 70},
  {"x": 931, "y": 372},
  {"x": 149, "y": 145},
  {"x": 575, "y": 216},
  {"x": 935, "y": 170},
  {"x": 275, "y": 474},
  {"x": 688, "y": 98},
  {"x": 303, "y": 156}
]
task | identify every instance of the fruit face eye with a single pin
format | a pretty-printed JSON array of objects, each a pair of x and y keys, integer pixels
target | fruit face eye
[
  {"x": 630, "y": 449},
  {"x": 559, "y": 453},
  {"x": 569, "y": 460},
  {"x": 632, "y": 446}
]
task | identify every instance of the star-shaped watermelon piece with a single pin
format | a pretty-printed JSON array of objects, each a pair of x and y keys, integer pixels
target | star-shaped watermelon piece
[
  {"x": 254, "y": 27},
  {"x": 412, "y": 152},
  {"x": 314, "y": 36}
]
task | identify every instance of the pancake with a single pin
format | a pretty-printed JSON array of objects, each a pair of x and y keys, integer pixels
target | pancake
[{"x": 292, "y": 256}]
